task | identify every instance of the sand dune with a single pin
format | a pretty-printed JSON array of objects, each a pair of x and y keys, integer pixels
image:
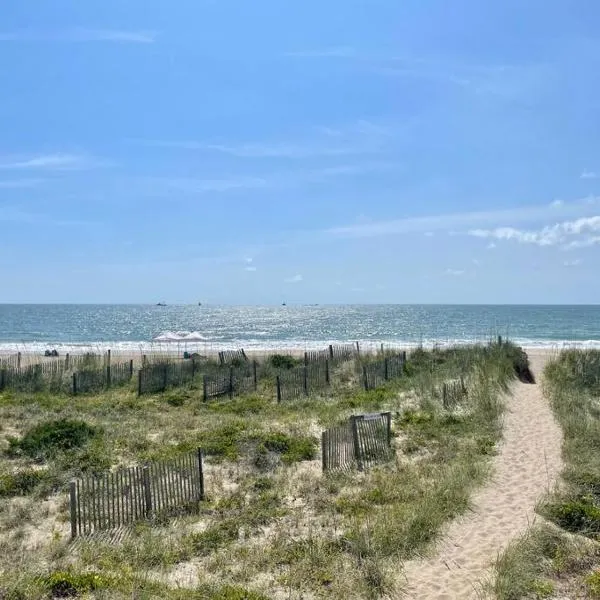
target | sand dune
[{"x": 527, "y": 464}]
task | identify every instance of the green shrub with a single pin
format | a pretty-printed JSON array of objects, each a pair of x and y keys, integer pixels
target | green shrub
[
  {"x": 580, "y": 515},
  {"x": 291, "y": 448},
  {"x": 283, "y": 361},
  {"x": 226, "y": 592},
  {"x": 68, "y": 584},
  {"x": 46, "y": 439},
  {"x": 22, "y": 483},
  {"x": 592, "y": 583},
  {"x": 224, "y": 441}
]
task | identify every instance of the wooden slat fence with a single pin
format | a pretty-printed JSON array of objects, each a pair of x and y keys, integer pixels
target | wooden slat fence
[
  {"x": 453, "y": 392},
  {"x": 120, "y": 498},
  {"x": 376, "y": 373},
  {"x": 302, "y": 381},
  {"x": 230, "y": 382},
  {"x": 159, "y": 377},
  {"x": 227, "y": 357},
  {"x": 91, "y": 381},
  {"x": 362, "y": 442},
  {"x": 342, "y": 352}
]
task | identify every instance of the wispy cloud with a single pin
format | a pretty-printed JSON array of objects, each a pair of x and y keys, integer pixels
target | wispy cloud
[
  {"x": 250, "y": 269},
  {"x": 294, "y": 279},
  {"x": 79, "y": 35},
  {"x": 560, "y": 234},
  {"x": 360, "y": 137},
  {"x": 13, "y": 214},
  {"x": 203, "y": 186},
  {"x": 19, "y": 183},
  {"x": 57, "y": 162},
  {"x": 455, "y": 272},
  {"x": 456, "y": 221},
  {"x": 334, "y": 52},
  {"x": 585, "y": 174},
  {"x": 572, "y": 263}
]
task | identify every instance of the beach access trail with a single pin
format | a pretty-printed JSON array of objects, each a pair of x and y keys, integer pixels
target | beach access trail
[{"x": 526, "y": 466}]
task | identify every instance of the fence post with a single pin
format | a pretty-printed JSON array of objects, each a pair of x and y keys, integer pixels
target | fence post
[
  {"x": 445, "y": 395},
  {"x": 365, "y": 379},
  {"x": 18, "y": 360},
  {"x": 131, "y": 369},
  {"x": 74, "y": 384},
  {"x": 386, "y": 369},
  {"x": 140, "y": 382},
  {"x": 331, "y": 351},
  {"x": 254, "y": 374},
  {"x": 463, "y": 386},
  {"x": 382, "y": 352},
  {"x": 305, "y": 382},
  {"x": 201, "y": 474},
  {"x": 147, "y": 489},
  {"x": 324, "y": 444},
  {"x": 204, "y": 389},
  {"x": 278, "y": 389},
  {"x": 357, "y": 348},
  {"x": 231, "y": 382},
  {"x": 108, "y": 375},
  {"x": 221, "y": 358},
  {"x": 108, "y": 358},
  {"x": 144, "y": 359},
  {"x": 356, "y": 443},
  {"x": 73, "y": 506},
  {"x": 165, "y": 375},
  {"x": 388, "y": 424},
  {"x": 327, "y": 381},
  {"x": 2, "y": 379},
  {"x": 305, "y": 358},
  {"x": 67, "y": 361}
]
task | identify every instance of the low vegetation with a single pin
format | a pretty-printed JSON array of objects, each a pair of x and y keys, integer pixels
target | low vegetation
[{"x": 272, "y": 525}]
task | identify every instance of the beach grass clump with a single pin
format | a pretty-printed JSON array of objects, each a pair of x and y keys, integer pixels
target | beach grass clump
[{"x": 46, "y": 439}]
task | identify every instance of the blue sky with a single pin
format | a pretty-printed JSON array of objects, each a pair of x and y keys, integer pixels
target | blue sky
[{"x": 254, "y": 152}]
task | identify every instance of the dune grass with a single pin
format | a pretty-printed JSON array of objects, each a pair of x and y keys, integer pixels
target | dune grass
[{"x": 272, "y": 525}]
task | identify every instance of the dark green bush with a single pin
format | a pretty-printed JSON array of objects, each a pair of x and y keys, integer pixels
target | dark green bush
[
  {"x": 580, "y": 515},
  {"x": 22, "y": 483},
  {"x": 46, "y": 439},
  {"x": 283, "y": 361},
  {"x": 68, "y": 584},
  {"x": 291, "y": 448}
]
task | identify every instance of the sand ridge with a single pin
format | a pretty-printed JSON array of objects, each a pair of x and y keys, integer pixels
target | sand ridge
[{"x": 526, "y": 466}]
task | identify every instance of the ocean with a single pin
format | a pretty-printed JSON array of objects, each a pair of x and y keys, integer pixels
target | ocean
[{"x": 133, "y": 328}]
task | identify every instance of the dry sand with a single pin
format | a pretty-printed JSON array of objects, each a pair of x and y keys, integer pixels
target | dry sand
[{"x": 526, "y": 466}]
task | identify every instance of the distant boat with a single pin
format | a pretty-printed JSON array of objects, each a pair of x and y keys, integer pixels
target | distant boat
[
  {"x": 161, "y": 304},
  {"x": 283, "y": 304},
  {"x": 199, "y": 303}
]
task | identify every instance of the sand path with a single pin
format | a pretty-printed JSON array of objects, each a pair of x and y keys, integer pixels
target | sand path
[{"x": 527, "y": 464}]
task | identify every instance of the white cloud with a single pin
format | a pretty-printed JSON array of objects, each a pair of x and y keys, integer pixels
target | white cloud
[
  {"x": 491, "y": 246},
  {"x": 80, "y": 35},
  {"x": 248, "y": 259},
  {"x": 57, "y": 162},
  {"x": 294, "y": 279},
  {"x": 588, "y": 175},
  {"x": 429, "y": 234},
  {"x": 551, "y": 235},
  {"x": 572, "y": 263},
  {"x": 456, "y": 221},
  {"x": 476, "y": 262},
  {"x": 250, "y": 269},
  {"x": 455, "y": 272},
  {"x": 556, "y": 203}
]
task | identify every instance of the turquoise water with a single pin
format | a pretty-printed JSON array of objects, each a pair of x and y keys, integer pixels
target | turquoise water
[{"x": 131, "y": 327}]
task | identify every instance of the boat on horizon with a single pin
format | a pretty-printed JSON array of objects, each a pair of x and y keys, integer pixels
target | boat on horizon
[{"x": 161, "y": 304}]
